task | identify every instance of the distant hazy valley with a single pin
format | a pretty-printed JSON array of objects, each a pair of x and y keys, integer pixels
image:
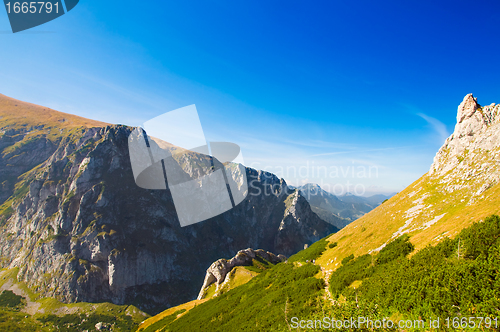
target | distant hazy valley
[{"x": 339, "y": 211}]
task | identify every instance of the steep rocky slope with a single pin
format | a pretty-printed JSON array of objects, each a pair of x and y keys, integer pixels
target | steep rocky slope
[
  {"x": 79, "y": 229},
  {"x": 462, "y": 186}
]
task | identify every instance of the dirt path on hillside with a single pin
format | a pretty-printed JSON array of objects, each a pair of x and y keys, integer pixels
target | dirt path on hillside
[{"x": 326, "y": 277}]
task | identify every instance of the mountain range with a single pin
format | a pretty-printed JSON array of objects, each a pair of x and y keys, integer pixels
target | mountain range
[
  {"x": 77, "y": 227},
  {"x": 339, "y": 211}
]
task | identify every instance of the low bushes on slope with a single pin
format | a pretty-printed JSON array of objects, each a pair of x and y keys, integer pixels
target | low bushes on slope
[
  {"x": 9, "y": 299},
  {"x": 458, "y": 277},
  {"x": 311, "y": 253},
  {"x": 259, "y": 305}
]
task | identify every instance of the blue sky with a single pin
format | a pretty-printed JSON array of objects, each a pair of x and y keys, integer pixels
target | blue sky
[{"x": 359, "y": 85}]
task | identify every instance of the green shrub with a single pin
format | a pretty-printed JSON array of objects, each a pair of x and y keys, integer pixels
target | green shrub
[
  {"x": 478, "y": 238},
  {"x": 259, "y": 264},
  {"x": 13, "y": 321},
  {"x": 312, "y": 252},
  {"x": 350, "y": 271},
  {"x": 456, "y": 277},
  {"x": 347, "y": 259},
  {"x": 9, "y": 299},
  {"x": 400, "y": 247},
  {"x": 82, "y": 322}
]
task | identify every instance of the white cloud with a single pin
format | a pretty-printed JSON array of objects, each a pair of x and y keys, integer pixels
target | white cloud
[{"x": 437, "y": 125}]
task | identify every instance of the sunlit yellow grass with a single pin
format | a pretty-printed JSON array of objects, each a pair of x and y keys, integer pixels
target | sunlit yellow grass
[
  {"x": 187, "y": 306},
  {"x": 14, "y": 112},
  {"x": 377, "y": 227}
]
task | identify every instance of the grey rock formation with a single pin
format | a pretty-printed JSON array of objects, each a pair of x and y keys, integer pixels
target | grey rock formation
[
  {"x": 472, "y": 151},
  {"x": 79, "y": 229},
  {"x": 219, "y": 271}
]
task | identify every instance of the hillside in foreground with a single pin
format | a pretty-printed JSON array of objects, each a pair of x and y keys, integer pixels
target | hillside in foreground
[{"x": 454, "y": 282}]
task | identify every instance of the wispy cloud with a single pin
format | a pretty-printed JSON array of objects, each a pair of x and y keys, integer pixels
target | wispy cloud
[{"x": 437, "y": 125}]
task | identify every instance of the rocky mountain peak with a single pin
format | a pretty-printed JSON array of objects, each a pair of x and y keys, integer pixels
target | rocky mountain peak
[
  {"x": 467, "y": 108},
  {"x": 472, "y": 150},
  {"x": 472, "y": 118}
]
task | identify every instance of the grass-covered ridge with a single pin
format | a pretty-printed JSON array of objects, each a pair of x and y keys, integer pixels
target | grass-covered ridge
[
  {"x": 178, "y": 310},
  {"x": 16, "y": 114},
  {"x": 238, "y": 275},
  {"x": 262, "y": 304}
]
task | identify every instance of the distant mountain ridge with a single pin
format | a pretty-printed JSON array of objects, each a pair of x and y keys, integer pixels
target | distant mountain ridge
[{"x": 339, "y": 211}]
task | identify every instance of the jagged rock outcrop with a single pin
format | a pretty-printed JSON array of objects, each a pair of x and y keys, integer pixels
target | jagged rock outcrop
[
  {"x": 218, "y": 272},
  {"x": 79, "y": 229},
  {"x": 471, "y": 152}
]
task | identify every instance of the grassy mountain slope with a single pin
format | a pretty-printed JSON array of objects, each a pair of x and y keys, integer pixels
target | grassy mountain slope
[
  {"x": 237, "y": 276},
  {"x": 438, "y": 214},
  {"x": 152, "y": 323},
  {"x": 456, "y": 278},
  {"x": 256, "y": 305},
  {"x": 15, "y": 113}
]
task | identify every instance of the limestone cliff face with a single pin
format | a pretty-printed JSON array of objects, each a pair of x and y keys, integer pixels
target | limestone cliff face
[
  {"x": 469, "y": 157},
  {"x": 78, "y": 228}
]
